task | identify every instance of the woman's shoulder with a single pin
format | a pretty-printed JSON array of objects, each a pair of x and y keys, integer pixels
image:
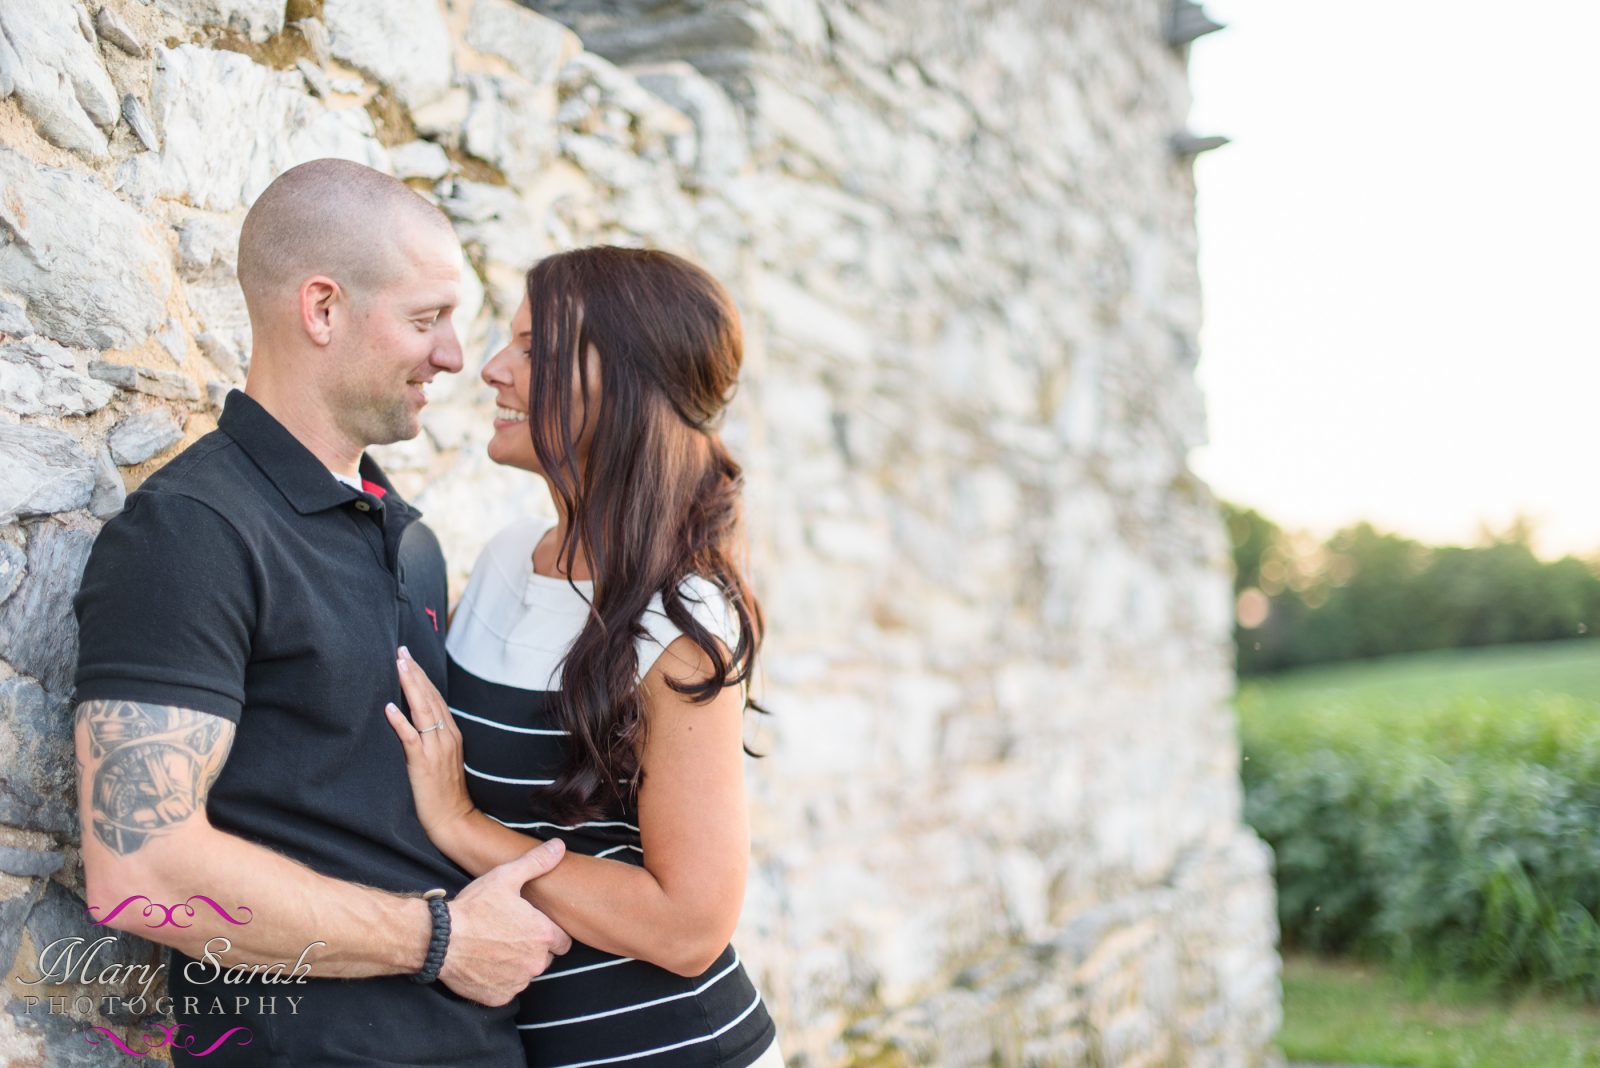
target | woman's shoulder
[{"x": 706, "y": 603}]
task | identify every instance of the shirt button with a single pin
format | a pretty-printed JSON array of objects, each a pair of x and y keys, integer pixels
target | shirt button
[{"x": 364, "y": 506}]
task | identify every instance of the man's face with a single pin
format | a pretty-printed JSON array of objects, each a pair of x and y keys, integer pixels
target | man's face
[{"x": 401, "y": 337}]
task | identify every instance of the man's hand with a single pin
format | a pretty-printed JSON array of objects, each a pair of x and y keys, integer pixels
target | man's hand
[{"x": 499, "y": 942}]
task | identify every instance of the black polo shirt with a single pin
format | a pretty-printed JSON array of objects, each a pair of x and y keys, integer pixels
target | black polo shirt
[{"x": 244, "y": 580}]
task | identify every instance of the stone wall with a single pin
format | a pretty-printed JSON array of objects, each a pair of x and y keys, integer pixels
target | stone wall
[{"x": 1000, "y": 818}]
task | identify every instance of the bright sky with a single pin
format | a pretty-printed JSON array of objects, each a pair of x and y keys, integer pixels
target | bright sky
[{"x": 1401, "y": 259}]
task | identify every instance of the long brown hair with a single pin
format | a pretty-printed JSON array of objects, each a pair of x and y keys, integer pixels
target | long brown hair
[{"x": 658, "y": 498}]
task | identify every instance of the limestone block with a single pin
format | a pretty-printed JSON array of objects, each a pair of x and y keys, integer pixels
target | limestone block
[
  {"x": 45, "y": 471},
  {"x": 112, "y": 28},
  {"x": 13, "y": 320},
  {"x": 143, "y": 435},
  {"x": 110, "y": 493},
  {"x": 508, "y": 124},
  {"x": 536, "y": 46},
  {"x": 39, "y": 376},
  {"x": 256, "y": 19},
  {"x": 38, "y": 635},
  {"x": 419, "y": 159},
  {"x": 201, "y": 98},
  {"x": 13, "y": 565},
  {"x": 167, "y": 385},
  {"x": 57, "y": 74},
  {"x": 720, "y": 143},
  {"x": 90, "y": 269},
  {"x": 404, "y": 44}
]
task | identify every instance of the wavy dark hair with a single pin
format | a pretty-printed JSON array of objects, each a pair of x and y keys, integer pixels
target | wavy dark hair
[{"x": 658, "y": 499}]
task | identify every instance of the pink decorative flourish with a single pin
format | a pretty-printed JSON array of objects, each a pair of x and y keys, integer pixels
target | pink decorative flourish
[
  {"x": 188, "y": 1041},
  {"x": 168, "y": 1038},
  {"x": 117, "y": 1042},
  {"x": 167, "y": 910}
]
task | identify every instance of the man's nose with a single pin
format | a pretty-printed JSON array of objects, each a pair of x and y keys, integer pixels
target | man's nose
[{"x": 447, "y": 355}]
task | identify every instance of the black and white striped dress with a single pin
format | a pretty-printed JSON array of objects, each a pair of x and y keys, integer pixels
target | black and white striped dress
[{"x": 506, "y": 642}]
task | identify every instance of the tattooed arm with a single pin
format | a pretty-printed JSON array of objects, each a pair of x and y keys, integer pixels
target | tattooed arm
[{"x": 145, "y": 772}]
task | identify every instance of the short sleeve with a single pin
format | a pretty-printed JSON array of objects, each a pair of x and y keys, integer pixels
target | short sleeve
[
  {"x": 167, "y": 608},
  {"x": 706, "y": 604}
]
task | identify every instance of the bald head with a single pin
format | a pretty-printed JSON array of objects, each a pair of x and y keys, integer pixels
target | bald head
[{"x": 330, "y": 217}]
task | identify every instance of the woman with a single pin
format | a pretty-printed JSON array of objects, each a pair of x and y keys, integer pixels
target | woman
[{"x": 598, "y": 665}]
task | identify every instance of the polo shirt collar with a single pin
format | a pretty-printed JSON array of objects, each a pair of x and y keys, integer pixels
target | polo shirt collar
[{"x": 303, "y": 480}]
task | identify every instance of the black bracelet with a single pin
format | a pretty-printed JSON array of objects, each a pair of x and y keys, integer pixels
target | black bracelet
[{"x": 440, "y": 940}]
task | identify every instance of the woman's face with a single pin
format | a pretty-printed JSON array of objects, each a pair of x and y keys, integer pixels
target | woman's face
[{"x": 508, "y": 373}]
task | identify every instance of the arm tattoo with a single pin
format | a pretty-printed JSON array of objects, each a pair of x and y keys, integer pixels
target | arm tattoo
[{"x": 150, "y": 767}]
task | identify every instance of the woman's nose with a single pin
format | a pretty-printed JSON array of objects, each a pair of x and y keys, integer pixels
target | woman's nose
[{"x": 493, "y": 372}]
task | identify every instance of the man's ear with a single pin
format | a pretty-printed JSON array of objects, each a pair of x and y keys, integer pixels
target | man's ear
[{"x": 318, "y": 296}]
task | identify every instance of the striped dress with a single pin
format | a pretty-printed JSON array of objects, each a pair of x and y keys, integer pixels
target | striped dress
[{"x": 505, "y": 644}]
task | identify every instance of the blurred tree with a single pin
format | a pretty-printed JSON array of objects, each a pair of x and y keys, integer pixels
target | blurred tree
[{"x": 1365, "y": 593}]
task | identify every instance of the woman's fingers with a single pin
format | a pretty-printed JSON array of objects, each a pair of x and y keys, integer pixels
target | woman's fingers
[
  {"x": 427, "y": 707},
  {"x": 402, "y": 726}
]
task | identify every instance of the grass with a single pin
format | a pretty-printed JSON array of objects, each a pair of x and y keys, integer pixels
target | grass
[
  {"x": 1349, "y": 1013},
  {"x": 1569, "y": 668},
  {"x": 1531, "y": 706}
]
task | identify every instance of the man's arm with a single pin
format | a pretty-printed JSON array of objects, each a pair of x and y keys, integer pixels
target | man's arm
[{"x": 145, "y": 773}]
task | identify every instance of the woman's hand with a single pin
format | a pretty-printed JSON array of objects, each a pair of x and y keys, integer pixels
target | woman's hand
[{"x": 434, "y": 762}]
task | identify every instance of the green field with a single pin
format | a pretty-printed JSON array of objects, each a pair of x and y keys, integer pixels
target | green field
[
  {"x": 1342, "y": 1012},
  {"x": 1435, "y": 816}
]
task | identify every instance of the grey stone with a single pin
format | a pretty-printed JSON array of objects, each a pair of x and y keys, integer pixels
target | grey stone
[
  {"x": 175, "y": 341},
  {"x": 221, "y": 353},
  {"x": 719, "y": 29},
  {"x": 508, "y": 125},
  {"x": 139, "y": 123},
  {"x": 86, "y": 263},
  {"x": 38, "y": 785},
  {"x": 217, "y": 394},
  {"x": 14, "y": 860},
  {"x": 442, "y": 119},
  {"x": 204, "y": 243},
  {"x": 57, "y": 75},
  {"x": 13, "y": 320},
  {"x": 39, "y": 376},
  {"x": 65, "y": 1040},
  {"x": 419, "y": 159},
  {"x": 13, "y": 911},
  {"x": 110, "y": 493},
  {"x": 201, "y": 98},
  {"x": 168, "y": 385},
  {"x": 138, "y": 179},
  {"x": 405, "y": 44},
  {"x": 536, "y": 46},
  {"x": 256, "y": 19},
  {"x": 316, "y": 38},
  {"x": 116, "y": 31},
  {"x": 720, "y": 140},
  {"x": 45, "y": 471},
  {"x": 13, "y": 566},
  {"x": 220, "y": 307},
  {"x": 141, "y": 436},
  {"x": 38, "y": 634},
  {"x": 316, "y": 80}
]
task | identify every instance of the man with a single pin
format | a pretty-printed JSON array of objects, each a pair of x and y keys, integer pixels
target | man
[{"x": 239, "y": 623}]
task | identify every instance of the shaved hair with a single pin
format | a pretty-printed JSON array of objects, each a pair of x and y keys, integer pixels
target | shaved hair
[{"x": 331, "y": 217}]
